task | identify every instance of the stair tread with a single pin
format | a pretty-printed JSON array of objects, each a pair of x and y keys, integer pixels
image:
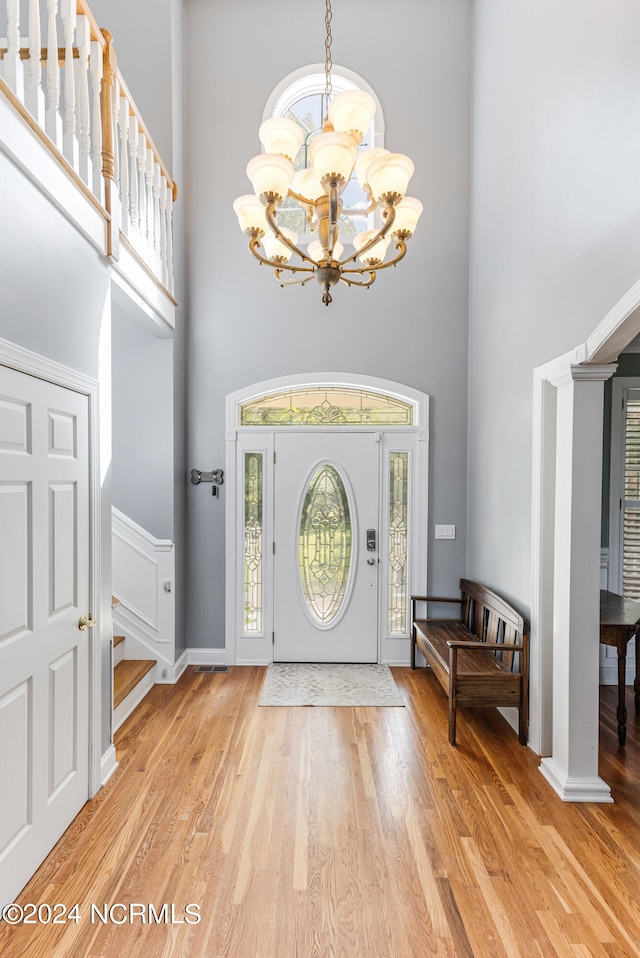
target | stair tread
[
  {"x": 126, "y": 676},
  {"x": 117, "y": 639}
]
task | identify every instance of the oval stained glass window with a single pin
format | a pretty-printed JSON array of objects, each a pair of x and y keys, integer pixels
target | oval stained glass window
[{"x": 325, "y": 544}]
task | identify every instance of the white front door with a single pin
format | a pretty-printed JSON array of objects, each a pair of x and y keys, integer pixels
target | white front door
[
  {"x": 326, "y": 547},
  {"x": 44, "y": 589}
]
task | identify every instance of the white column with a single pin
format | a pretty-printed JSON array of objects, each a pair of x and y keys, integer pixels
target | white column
[
  {"x": 35, "y": 93},
  {"x": 572, "y": 769}
]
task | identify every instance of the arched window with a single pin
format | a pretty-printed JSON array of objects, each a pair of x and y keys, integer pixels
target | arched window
[{"x": 301, "y": 97}]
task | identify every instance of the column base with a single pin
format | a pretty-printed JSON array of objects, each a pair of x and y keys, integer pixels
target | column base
[{"x": 575, "y": 789}]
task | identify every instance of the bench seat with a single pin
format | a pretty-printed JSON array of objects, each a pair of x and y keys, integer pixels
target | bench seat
[{"x": 479, "y": 659}]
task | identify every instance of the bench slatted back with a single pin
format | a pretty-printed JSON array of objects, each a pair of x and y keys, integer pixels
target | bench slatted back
[{"x": 489, "y": 617}]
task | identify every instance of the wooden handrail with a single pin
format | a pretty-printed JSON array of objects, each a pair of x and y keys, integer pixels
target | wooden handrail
[{"x": 96, "y": 31}]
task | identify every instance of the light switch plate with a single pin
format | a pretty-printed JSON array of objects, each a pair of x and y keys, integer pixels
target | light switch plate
[{"x": 445, "y": 532}]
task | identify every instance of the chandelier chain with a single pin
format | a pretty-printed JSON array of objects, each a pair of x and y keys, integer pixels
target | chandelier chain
[{"x": 327, "y": 49}]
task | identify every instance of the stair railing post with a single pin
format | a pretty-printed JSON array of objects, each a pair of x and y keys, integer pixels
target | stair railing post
[
  {"x": 123, "y": 124},
  {"x": 53, "y": 120},
  {"x": 109, "y": 147},
  {"x": 95, "y": 65},
  {"x": 83, "y": 38},
  {"x": 133, "y": 152},
  {"x": 13, "y": 71},
  {"x": 35, "y": 93},
  {"x": 70, "y": 140}
]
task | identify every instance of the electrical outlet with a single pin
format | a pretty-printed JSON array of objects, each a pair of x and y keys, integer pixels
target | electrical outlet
[
  {"x": 164, "y": 674},
  {"x": 445, "y": 532}
]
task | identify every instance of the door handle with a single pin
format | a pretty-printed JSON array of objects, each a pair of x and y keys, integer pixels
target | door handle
[{"x": 86, "y": 622}]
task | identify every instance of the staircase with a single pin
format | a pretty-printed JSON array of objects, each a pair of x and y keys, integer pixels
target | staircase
[{"x": 132, "y": 679}]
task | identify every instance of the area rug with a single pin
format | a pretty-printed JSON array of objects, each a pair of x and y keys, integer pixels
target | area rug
[{"x": 321, "y": 684}]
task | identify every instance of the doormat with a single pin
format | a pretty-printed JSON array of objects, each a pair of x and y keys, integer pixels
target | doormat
[{"x": 330, "y": 684}]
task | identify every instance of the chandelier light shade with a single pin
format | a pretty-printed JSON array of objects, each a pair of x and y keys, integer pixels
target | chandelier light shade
[
  {"x": 251, "y": 213},
  {"x": 334, "y": 155},
  {"x": 352, "y": 112},
  {"x": 389, "y": 175},
  {"x": 270, "y": 176},
  {"x": 376, "y": 248},
  {"x": 362, "y": 165},
  {"x": 407, "y": 215},
  {"x": 276, "y": 249},
  {"x": 281, "y": 135}
]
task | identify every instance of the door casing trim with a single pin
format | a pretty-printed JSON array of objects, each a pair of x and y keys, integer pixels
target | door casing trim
[{"x": 259, "y": 651}]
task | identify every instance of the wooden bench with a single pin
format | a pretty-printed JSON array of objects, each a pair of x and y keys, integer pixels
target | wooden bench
[{"x": 480, "y": 658}]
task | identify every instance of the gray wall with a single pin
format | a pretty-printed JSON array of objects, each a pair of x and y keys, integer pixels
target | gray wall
[
  {"x": 142, "y": 422},
  {"x": 554, "y": 237},
  {"x": 143, "y": 40},
  {"x": 410, "y": 327}
]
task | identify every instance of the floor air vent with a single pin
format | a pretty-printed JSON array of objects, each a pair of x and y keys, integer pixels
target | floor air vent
[{"x": 212, "y": 668}]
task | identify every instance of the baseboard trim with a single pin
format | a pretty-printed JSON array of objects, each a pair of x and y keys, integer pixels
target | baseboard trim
[
  {"x": 207, "y": 657},
  {"x": 108, "y": 765},
  {"x": 169, "y": 674},
  {"x": 575, "y": 789}
]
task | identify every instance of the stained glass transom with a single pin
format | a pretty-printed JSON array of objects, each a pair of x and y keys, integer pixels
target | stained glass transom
[
  {"x": 327, "y": 406},
  {"x": 398, "y": 539},
  {"x": 325, "y": 544},
  {"x": 253, "y": 551}
]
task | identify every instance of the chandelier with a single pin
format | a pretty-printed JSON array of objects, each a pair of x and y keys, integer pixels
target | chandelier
[{"x": 334, "y": 154}]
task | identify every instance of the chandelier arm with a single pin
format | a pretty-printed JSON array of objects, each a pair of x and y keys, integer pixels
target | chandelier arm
[
  {"x": 390, "y": 215},
  {"x": 370, "y": 209},
  {"x": 400, "y": 245},
  {"x": 301, "y": 199},
  {"x": 292, "y": 282},
  {"x": 271, "y": 220},
  {"x": 355, "y": 282},
  {"x": 254, "y": 243}
]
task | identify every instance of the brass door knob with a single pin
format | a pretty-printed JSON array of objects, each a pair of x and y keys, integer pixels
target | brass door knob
[{"x": 86, "y": 622}]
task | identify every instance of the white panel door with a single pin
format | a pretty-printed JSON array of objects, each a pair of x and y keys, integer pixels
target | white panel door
[
  {"x": 326, "y": 555},
  {"x": 44, "y": 589}
]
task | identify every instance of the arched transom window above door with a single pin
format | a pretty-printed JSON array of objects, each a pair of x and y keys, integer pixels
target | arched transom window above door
[{"x": 326, "y": 406}]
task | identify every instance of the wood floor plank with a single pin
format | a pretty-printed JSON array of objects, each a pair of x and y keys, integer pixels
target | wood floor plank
[{"x": 350, "y": 833}]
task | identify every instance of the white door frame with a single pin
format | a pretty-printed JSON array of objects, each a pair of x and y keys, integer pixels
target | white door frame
[
  {"x": 559, "y": 603},
  {"x": 259, "y": 651},
  {"x": 33, "y": 364}
]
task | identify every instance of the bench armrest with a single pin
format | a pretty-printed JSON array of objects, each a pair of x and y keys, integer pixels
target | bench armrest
[
  {"x": 433, "y": 598},
  {"x": 498, "y": 646}
]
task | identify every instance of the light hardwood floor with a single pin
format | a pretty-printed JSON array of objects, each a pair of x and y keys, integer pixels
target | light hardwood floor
[{"x": 327, "y": 832}]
